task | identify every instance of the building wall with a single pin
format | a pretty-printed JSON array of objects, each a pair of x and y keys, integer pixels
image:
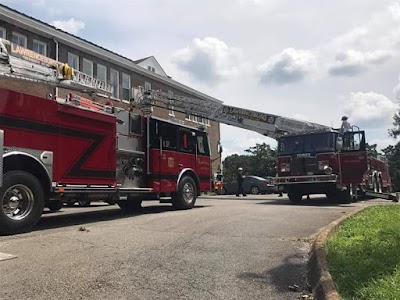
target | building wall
[{"x": 136, "y": 80}]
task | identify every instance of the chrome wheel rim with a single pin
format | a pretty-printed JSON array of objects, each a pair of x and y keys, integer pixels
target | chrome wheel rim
[
  {"x": 254, "y": 190},
  {"x": 188, "y": 192},
  {"x": 17, "y": 202}
]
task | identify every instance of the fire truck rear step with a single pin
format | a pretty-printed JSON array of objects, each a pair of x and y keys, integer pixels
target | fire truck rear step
[{"x": 387, "y": 196}]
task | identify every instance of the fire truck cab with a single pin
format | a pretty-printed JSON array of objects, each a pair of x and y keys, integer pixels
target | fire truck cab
[{"x": 327, "y": 162}]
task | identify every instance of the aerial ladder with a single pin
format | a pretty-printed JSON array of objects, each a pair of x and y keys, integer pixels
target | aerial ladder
[
  {"x": 21, "y": 63},
  {"x": 269, "y": 125}
]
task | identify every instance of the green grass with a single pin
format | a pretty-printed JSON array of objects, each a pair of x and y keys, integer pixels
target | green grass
[{"x": 364, "y": 255}]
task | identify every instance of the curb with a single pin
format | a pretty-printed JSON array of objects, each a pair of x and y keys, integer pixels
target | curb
[{"x": 319, "y": 278}]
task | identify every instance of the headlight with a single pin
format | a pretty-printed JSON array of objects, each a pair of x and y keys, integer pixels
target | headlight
[
  {"x": 285, "y": 167},
  {"x": 328, "y": 170},
  {"x": 322, "y": 164}
]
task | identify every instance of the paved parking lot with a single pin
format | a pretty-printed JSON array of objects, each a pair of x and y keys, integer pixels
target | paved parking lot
[{"x": 225, "y": 248}]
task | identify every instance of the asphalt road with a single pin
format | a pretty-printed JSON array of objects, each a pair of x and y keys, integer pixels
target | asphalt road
[{"x": 225, "y": 248}]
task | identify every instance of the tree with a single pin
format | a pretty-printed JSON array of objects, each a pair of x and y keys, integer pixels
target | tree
[
  {"x": 395, "y": 132},
  {"x": 393, "y": 155},
  {"x": 372, "y": 149}
]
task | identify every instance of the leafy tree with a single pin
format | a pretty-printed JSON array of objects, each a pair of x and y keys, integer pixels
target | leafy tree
[
  {"x": 372, "y": 149},
  {"x": 393, "y": 155}
]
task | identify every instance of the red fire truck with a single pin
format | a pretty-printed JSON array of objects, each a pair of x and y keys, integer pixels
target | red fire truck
[
  {"x": 61, "y": 152},
  {"x": 327, "y": 162},
  {"x": 53, "y": 150}
]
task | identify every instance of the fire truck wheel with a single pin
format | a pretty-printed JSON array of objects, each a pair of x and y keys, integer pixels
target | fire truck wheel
[
  {"x": 55, "y": 206},
  {"x": 223, "y": 191},
  {"x": 70, "y": 202},
  {"x": 22, "y": 202},
  {"x": 84, "y": 202},
  {"x": 295, "y": 196},
  {"x": 130, "y": 206},
  {"x": 185, "y": 198}
]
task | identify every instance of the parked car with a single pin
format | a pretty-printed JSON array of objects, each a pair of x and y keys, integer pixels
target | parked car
[{"x": 251, "y": 185}]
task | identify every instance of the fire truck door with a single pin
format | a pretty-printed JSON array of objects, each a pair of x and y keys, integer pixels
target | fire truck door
[
  {"x": 168, "y": 157},
  {"x": 353, "y": 157},
  {"x": 187, "y": 149},
  {"x": 203, "y": 161}
]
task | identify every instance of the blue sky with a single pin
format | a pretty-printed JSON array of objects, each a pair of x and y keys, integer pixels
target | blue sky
[{"x": 313, "y": 60}]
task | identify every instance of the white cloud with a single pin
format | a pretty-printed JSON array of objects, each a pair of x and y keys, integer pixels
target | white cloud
[
  {"x": 290, "y": 65},
  {"x": 382, "y": 143},
  {"x": 351, "y": 62},
  {"x": 370, "y": 110},
  {"x": 208, "y": 60},
  {"x": 72, "y": 26}
]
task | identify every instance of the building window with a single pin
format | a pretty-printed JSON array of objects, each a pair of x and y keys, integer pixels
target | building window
[
  {"x": 152, "y": 69},
  {"x": 197, "y": 119},
  {"x": 19, "y": 39},
  {"x": 39, "y": 47},
  {"x": 204, "y": 121},
  {"x": 171, "y": 111},
  {"x": 87, "y": 67},
  {"x": 114, "y": 81},
  {"x": 193, "y": 118},
  {"x": 147, "y": 86},
  {"x": 102, "y": 73},
  {"x": 73, "y": 60},
  {"x": 3, "y": 32},
  {"x": 126, "y": 86}
]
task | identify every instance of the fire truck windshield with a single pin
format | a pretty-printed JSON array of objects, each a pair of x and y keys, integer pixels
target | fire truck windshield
[{"x": 310, "y": 143}]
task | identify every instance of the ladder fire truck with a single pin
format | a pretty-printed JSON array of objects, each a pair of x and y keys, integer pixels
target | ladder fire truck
[
  {"x": 53, "y": 150},
  {"x": 331, "y": 162}
]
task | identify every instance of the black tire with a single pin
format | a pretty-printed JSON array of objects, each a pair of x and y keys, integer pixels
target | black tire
[
  {"x": 17, "y": 184},
  {"x": 254, "y": 190},
  {"x": 223, "y": 191},
  {"x": 185, "y": 197},
  {"x": 131, "y": 205},
  {"x": 84, "y": 202},
  {"x": 332, "y": 196},
  {"x": 70, "y": 202},
  {"x": 55, "y": 206},
  {"x": 344, "y": 197},
  {"x": 295, "y": 196}
]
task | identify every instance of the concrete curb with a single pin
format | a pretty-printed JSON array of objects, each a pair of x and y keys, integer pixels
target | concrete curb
[{"x": 319, "y": 277}]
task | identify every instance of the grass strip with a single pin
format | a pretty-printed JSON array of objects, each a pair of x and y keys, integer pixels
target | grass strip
[{"x": 364, "y": 254}]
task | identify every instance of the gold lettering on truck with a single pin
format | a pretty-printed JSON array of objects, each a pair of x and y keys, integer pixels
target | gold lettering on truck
[
  {"x": 171, "y": 162},
  {"x": 32, "y": 56}
]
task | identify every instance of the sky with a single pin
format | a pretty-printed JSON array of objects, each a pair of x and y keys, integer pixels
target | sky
[{"x": 312, "y": 60}]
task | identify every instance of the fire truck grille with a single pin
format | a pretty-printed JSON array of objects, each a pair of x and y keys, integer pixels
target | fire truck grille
[{"x": 304, "y": 165}]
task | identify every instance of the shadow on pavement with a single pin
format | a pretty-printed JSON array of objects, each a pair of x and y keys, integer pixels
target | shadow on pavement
[
  {"x": 57, "y": 220},
  {"x": 287, "y": 278},
  {"x": 320, "y": 201}
]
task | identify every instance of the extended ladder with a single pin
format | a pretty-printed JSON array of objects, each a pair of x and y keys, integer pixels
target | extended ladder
[
  {"x": 269, "y": 125},
  {"x": 22, "y": 63}
]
